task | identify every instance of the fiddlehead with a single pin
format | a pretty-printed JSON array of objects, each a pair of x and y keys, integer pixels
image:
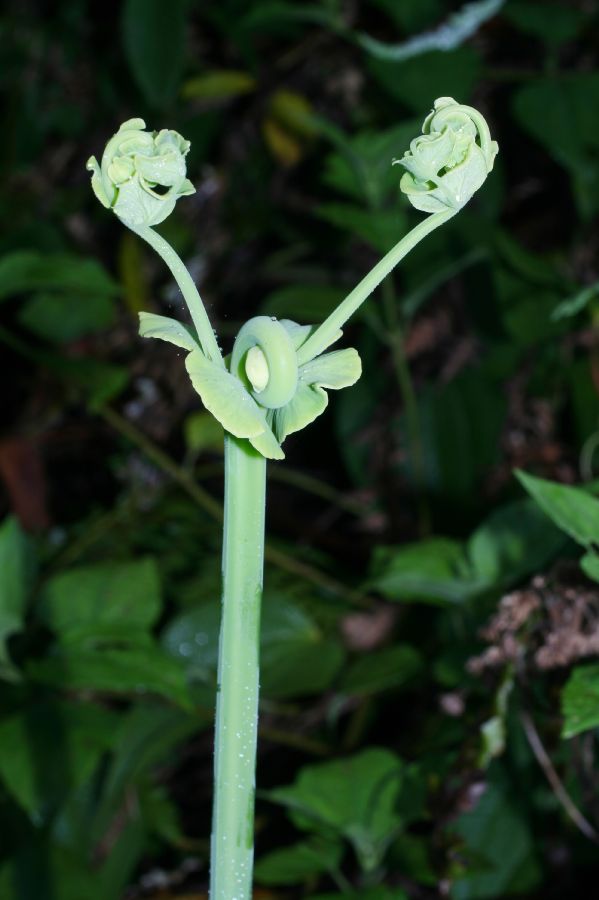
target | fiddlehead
[
  {"x": 450, "y": 160},
  {"x": 142, "y": 173}
]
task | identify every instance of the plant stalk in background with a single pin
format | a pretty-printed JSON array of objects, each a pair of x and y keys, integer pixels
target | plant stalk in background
[{"x": 274, "y": 384}]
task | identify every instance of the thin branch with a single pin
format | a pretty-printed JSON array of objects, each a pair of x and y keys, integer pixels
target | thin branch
[{"x": 554, "y": 780}]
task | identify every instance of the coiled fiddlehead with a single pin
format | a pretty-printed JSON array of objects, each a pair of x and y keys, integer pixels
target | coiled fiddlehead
[
  {"x": 142, "y": 173},
  {"x": 264, "y": 359},
  {"x": 450, "y": 160}
]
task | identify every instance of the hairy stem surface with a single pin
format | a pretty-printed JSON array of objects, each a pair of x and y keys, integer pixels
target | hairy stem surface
[{"x": 232, "y": 849}]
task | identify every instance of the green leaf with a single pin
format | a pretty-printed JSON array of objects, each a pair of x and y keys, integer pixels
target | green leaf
[
  {"x": 381, "y": 670},
  {"x": 559, "y": 112},
  {"x": 296, "y": 657},
  {"x": 295, "y": 864},
  {"x": 63, "y": 872},
  {"x": 308, "y": 402},
  {"x": 26, "y": 271},
  {"x": 497, "y": 833},
  {"x": 203, "y": 432},
  {"x": 154, "y": 42},
  {"x": 227, "y": 399},
  {"x": 516, "y": 540},
  {"x": 166, "y": 329},
  {"x": 130, "y": 671},
  {"x": 381, "y": 229},
  {"x": 461, "y": 425},
  {"x": 574, "y": 304},
  {"x": 219, "y": 84},
  {"x": 118, "y": 600},
  {"x": 353, "y": 797},
  {"x": 48, "y": 750},
  {"x": 361, "y": 167},
  {"x": 571, "y": 508},
  {"x": 16, "y": 572},
  {"x": 590, "y": 566},
  {"x": 562, "y": 25},
  {"x": 431, "y": 571},
  {"x": 267, "y": 444},
  {"x": 60, "y": 319},
  {"x": 335, "y": 370},
  {"x": 451, "y": 74},
  {"x": 580, "y": 701},
  {"x": 313, "y": 302}
]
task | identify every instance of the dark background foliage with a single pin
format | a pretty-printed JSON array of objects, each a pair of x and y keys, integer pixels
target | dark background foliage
[{"x": 429, "y": 695}]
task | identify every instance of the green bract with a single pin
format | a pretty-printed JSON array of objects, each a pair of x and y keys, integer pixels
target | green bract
[
  {"x": 265, "y": 395},
  {"x": 142, "y": 174},
  {"x": 450, "y": 160}
]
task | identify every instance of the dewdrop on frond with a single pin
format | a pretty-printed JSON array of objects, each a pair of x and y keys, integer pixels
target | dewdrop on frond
[{"x": 450, "y": 160}]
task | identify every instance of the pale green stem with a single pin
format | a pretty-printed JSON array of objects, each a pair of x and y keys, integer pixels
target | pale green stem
[
  {"x": 191, "y": 295},
  {"x": 323, "y": 335},
  {"x": 232, "y": 848}
]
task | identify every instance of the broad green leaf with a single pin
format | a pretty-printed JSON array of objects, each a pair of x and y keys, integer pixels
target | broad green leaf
[
  {"x": 516, "y": 540},
  {"x": 203, "y": 432},
  {"x": 558, "y": 111},
  {"x": 131, "y": 671},
  {"x": 353, "y": 797},
  {"x": 118, "y": 600},
  {"x": 146, "y": 735},
  {"x": 379, "y": 228},
  {"x": 219, "y": 84},
  {"x": 590, "y": 565},
  {"x": 496, "y": 832},
  {"x": 580, "y": 701},
  {"x": 16, "y": 570},
  {"x": 26, "y": 271},
  {"x": 96, "y": 381},
  {"x": 461, "y": 425},
  {"x": 381, "y": 670},
  {"x": 60, "y": 319},
  {"x": 154, "y": 42},
  {"x": 531, "y": 17},
  {"x": 64, "y": 873},
  {"x": 48, "y": 750},
  {"x": 361, "y": 167},
  {"x": 452, "y": 74},
  {"x": 166, "y": 329},
  {"x": 295, "y": 864},
  {"x": 296, "y": 657},
  {"x": 571, "y": 508},
  {"x": 225, "y": 397},
  {"x": 313, "y": 302},
  {"x": 431, "y": 571}
]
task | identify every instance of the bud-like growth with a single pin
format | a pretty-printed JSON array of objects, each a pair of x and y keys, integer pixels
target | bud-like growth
[
  {"x": 142, "y": 174},
  {"x": 450, "y": 160}
]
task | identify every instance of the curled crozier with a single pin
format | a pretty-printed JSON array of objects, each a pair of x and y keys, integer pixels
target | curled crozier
[{"x": 450, "y": 160}]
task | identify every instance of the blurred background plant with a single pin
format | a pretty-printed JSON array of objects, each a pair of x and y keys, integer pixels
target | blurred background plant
[{"x": 431, "y": 624}]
